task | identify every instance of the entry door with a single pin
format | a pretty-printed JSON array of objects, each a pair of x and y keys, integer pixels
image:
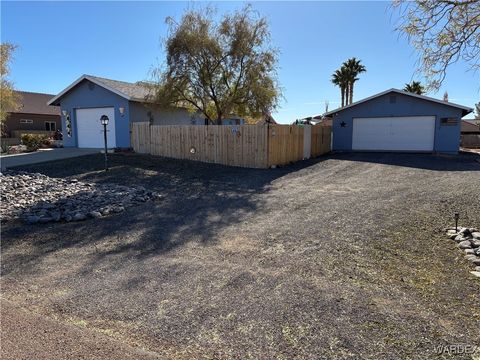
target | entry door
[
  {"x": 412, "y": 133},
  {"x": 90, "y": 130}
]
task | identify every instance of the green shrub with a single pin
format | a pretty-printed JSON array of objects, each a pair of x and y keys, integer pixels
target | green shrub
[{"x": 33, "y": 141}]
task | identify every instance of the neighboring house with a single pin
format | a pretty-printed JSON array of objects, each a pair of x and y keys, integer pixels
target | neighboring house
[
  {"x": 395, "y": 120},
  {"x": 32, "y": 115},
  {"x": 233, "y": 121},
  {"x": 470, "y": 134},
  {"x": 470, "y": 127},
  {"x": 88, "y": 98}
]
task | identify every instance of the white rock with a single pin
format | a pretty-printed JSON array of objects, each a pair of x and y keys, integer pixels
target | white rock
[{"x": 465, "y": 244}]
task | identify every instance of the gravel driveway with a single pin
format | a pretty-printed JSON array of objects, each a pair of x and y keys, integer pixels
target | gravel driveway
[{"x": 335, "y": 258}]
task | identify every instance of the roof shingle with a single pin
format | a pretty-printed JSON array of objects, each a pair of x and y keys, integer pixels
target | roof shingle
[{"x": 35, "y": 103}]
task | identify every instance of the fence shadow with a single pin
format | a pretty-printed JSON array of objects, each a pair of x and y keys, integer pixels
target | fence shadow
[{"x": 460, "y": 162}]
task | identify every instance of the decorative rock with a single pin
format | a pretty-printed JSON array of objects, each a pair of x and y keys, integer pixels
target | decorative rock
[
  {"x": 97, "y": 214},
  {"x": 475, "y": 273},
  {"x": 477, "y": 268},
  {"x": 477, "y": 251},
  {"x": 460, "y": 238},
  {"x": 79, "y": 217},
  {"x": 465, "y": 245},
  {"x": 469, "y": 252},
  {"x": 474, "y": 259},
  {"x": 475, "y": 243},
  {"x": 476, "y": 235},
  {"x": 33, "y": 219},
  {"x": 39, "y": 198}
]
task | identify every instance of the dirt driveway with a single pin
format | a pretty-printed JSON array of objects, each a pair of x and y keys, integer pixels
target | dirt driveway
[{"x": 340, "y": 257}]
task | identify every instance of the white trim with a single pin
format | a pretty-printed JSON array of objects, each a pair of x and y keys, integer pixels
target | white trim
[
  {"x": 423, "y": 97},
  {"x": 95, "y": 81}
]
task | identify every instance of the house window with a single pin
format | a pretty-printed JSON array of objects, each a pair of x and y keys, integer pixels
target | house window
[
  {"x": 50, "y": 126},
  {"x": 449, "y": 121},
  {"x": 26, "y": 121}
]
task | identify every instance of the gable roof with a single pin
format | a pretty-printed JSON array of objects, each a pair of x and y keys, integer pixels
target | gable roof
[
  {"x": 465, "y": 110},
  {"x": 34, "y": 103},
  {"x": 130, "y": 91}
]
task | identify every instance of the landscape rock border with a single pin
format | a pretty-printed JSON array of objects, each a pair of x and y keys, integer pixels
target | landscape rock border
[
  {"x": 37, "y": 198},
  {"x": 468, "y": 240}
]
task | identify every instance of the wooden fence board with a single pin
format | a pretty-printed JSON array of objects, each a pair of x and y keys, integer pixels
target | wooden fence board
[{"x": 256, "y": 146}]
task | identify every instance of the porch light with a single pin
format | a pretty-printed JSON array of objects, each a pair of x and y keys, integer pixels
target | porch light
[
  {"x": 104, "y": 120},
  {"x": 64, "y": 113},
  {"x": 121, "y": 110}
]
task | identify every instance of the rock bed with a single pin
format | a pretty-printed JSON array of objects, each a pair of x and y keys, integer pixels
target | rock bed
[
  {"x": 37, "y": 198},
  {"x": 468, "y": 240}
]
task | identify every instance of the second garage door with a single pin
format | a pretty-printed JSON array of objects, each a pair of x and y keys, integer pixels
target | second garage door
[
  {"x": 412, "y": 133},
  {"x": 90, "y": 130}
]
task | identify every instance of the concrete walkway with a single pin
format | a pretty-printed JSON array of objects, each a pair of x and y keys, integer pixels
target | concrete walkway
[{"x": 43, "y": 155}]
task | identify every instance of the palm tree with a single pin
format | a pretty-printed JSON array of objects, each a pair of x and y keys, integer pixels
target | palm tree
[
  {"x": 340, "y": 78},
  {"x": 353, "y": 67},
  {"x": 414, "y": 87}
]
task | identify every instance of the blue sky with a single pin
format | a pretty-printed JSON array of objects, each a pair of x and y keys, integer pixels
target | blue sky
[{"x": 59, "y": 41}]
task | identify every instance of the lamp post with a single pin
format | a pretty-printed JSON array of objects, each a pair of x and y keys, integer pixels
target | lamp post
[
  {"x": 104, "y": 122},
  {"x": 456, "y": 216}
]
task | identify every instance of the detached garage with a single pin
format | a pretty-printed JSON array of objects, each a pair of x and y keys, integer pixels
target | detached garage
[
  {"x": 396, "y": 120},
  {"x": 84, "y": 102}
]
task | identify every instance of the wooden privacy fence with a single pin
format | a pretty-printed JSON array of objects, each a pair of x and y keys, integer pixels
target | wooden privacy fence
[
  {"x": 255, "y": 146},
  {"x": 470, "y": 140}
]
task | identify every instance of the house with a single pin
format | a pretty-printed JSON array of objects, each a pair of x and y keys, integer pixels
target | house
[
  {"x": 470, "y": 134},
  {"x": 396, "y": 120},
  {"x": 469, "y": 127},
  {"x": 32, "y": 115},
  {"x": 89, "y": 97}
]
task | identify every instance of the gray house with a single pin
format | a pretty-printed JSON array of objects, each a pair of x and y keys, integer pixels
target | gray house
[
  {"x": 396, "y": 120},
  {"x": 84, "y": 101}
]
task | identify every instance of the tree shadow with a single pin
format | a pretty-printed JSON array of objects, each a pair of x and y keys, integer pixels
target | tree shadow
[{"x": 199, "y": 200}]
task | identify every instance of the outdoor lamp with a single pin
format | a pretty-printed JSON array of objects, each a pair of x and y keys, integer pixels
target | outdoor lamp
[
  {"x": 457, "y": 216},
  {"x": 104, "y": 120},
  {"x": 64, "y": 113},
  {"x": 121, "y": 110}
]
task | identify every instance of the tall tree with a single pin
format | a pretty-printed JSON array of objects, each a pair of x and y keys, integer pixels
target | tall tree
[
  {"x": 443, "y": 32},
  {"x": 341, "y": 78},
  {"x": 219, "y": 68},
  {"x": 415, "y": 87},
  {"x": 353, "y": 67},
  {"x": 8, "y": 97}
]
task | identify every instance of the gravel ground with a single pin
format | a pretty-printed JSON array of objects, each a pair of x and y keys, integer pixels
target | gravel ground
[
  {"x": 336, "y": 258},
  {"x": 30, "y": 336}
]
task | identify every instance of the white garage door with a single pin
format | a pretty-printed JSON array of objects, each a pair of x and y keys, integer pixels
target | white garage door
[
  {"x": 412, "y": 133},
  {"x": 90, "y": 130}
]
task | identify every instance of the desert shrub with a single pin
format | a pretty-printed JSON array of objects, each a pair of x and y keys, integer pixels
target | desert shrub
[
  {"x": 33, "y": 141},
  {"x": 57, "y": 135}
]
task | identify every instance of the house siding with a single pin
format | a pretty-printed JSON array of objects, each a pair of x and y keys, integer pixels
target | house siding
[
  {"x": 89, "y": 95},
  {"x": 12, "y": 122},
  {"x": 140, "y": 112},
  {"x": 447, "y": 138}
]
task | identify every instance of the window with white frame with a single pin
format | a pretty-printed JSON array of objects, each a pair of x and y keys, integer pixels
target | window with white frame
[
  {"x": 50, "y": 126},
  {"x": 26, "y": 121}
]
